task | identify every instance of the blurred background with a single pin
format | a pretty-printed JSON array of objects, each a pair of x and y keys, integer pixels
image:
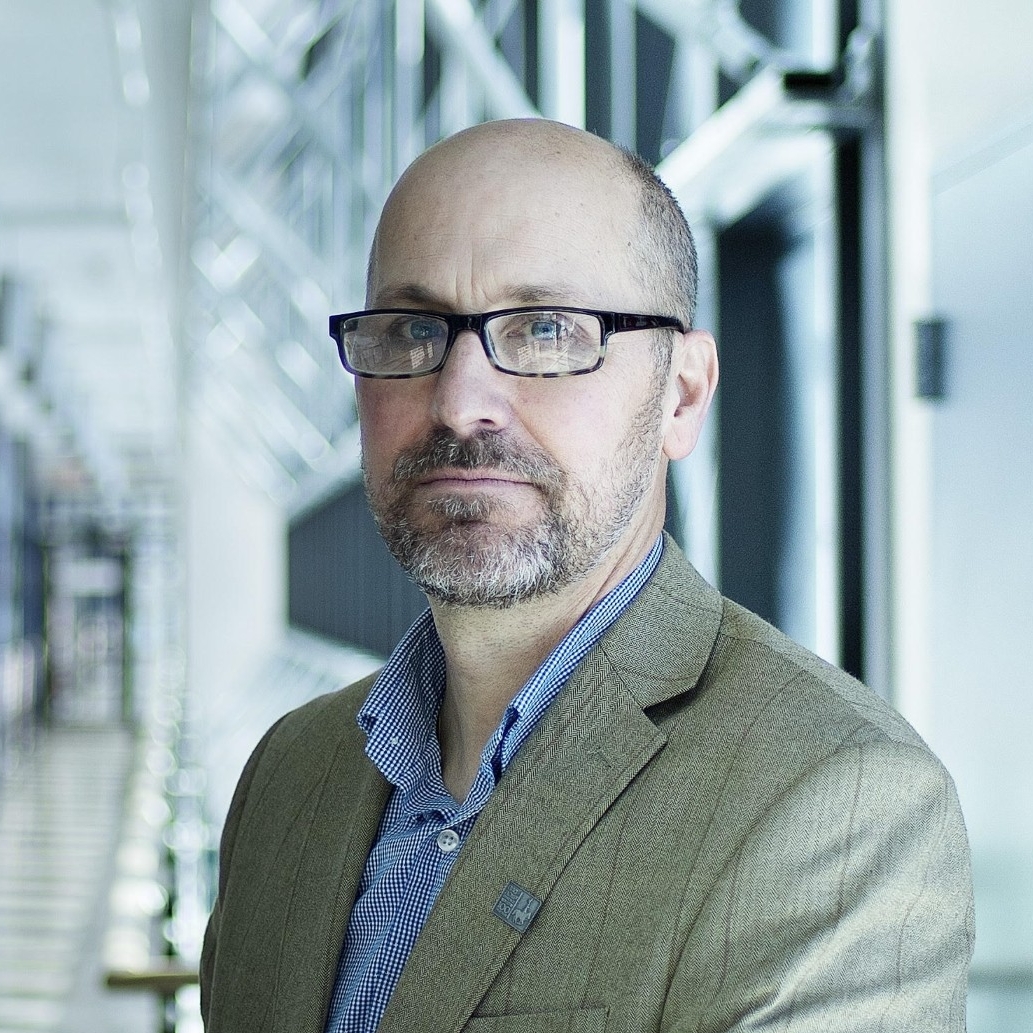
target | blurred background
[{"x": 187, "y": 190}]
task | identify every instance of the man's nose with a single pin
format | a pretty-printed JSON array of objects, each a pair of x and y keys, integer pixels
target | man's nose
[{"x": 470, "y": 395}]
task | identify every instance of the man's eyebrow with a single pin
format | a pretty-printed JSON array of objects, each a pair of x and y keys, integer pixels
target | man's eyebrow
[
  {"x": 515, "y": 294},
  {"x": 551, "y": 294},
  {"x": 410, "y": 294}
]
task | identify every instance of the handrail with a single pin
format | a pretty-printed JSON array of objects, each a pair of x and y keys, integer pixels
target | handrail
[{"x": 163, "y": 978}]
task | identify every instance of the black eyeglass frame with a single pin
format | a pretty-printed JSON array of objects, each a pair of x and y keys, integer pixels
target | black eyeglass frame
[{"x": 611, "y": 323}]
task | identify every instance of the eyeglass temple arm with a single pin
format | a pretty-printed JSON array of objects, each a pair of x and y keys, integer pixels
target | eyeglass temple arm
[{"x": 625, "y": 321}]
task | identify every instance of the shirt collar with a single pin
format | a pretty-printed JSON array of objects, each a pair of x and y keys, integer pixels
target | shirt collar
[{"x": 400, "y": 713}]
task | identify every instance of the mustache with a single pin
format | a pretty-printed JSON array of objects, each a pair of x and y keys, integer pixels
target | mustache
[{"x": 486, "y": 450}]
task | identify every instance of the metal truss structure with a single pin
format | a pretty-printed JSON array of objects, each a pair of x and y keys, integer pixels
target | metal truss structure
[{"x": 313, "y": 107}]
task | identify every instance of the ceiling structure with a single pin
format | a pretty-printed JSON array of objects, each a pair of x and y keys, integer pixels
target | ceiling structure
[{"x": 311, "y": 110}]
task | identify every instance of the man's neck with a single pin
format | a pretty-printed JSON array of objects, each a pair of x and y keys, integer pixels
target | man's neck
[{"x": 491, "y": 653}]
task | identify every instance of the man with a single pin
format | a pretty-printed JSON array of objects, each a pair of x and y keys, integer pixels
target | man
[{"x": 586, "y": 793}]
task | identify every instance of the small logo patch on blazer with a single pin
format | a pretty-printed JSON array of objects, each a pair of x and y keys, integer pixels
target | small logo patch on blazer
[{"x": 516, "y": 907}]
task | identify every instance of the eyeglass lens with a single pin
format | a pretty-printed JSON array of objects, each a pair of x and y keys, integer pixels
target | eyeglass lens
[{"x": 530, "y": 342}]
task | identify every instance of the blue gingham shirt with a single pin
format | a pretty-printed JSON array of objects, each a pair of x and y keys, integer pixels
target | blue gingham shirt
[{"x": 423, "y": 827}]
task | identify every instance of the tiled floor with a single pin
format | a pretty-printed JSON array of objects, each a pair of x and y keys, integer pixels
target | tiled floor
[{"x": 60, "y": 812}]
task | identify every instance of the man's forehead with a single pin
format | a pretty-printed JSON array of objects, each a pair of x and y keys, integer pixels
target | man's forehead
[
  {"x": 519, "y": 165},
  {"x": 508, "y": 195},
  {"x": 528, "y": 263},
  {"x": 416, "y": 294},
  {"x": 527, "y": 244},
  {"x": 506, "y": 214}
]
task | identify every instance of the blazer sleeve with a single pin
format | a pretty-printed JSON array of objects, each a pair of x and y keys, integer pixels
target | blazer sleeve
[{"x": 847, "y": 909}]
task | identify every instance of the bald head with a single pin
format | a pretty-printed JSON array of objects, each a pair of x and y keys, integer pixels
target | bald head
[{"x": 555, "y": 175}]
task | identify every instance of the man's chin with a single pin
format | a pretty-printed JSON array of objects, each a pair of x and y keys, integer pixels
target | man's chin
[
  {"x": 467, "y": 527},
  {"x": 449, "y": 596},
  {"x": 478, "y": 564}
]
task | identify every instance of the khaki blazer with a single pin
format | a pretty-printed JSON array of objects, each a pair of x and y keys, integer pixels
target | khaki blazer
[{"x": 724, "y": 833}]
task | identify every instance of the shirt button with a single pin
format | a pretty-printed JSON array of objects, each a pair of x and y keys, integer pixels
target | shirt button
[{"x": 448, "y": 840}]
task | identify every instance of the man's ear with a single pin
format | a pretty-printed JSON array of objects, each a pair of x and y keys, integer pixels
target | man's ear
[{"x": 691, "y": 388}]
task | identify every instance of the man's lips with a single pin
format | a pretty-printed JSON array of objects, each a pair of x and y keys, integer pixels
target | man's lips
[{"x": 471, "y": 478}]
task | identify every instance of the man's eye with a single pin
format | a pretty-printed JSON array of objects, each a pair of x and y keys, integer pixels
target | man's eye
[
  {"x": 547, "y": 330},
  {"x": 425, "y": 330},
  {"x": 539, "y": 327},
  {"x": 409, "y": 331}
]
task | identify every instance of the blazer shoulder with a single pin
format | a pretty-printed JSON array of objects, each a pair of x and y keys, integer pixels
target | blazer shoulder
[
  {"x": 782, "y": 671},
  {"x": 301, "y": 741},
  {"x": 684, "y": 645}
]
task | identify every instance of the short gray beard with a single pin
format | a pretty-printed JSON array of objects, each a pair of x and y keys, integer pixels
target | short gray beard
[{"x": 472, "y": 562}]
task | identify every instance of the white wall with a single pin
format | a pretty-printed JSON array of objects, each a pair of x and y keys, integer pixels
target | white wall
[
  {"x": 981, "y": 554},
  {"x": 960, "y": 126}
]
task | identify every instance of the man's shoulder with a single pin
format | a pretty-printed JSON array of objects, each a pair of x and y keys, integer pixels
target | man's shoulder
[
  {"x": 687, "y": 640},
  {"x": 750, "y": 648},
  {"x": 340, "y": 706},
  {"x": 780, "y": 684},
  {"x": 308, "y": 736}
]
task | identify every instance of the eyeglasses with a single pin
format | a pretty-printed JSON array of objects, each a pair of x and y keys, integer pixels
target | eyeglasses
[{"x": 527, "y": 342}]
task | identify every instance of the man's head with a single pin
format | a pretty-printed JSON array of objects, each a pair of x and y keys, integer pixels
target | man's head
[{"x": 492, "y": 488}]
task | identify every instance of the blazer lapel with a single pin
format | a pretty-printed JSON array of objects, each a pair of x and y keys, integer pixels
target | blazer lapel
[
  {"x": 556, "y": 790},
  {"x": 589, "y": 747}
]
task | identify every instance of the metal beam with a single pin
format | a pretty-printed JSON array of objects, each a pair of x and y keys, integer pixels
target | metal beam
[
  {"x": 561, "y": 60},
  {"x": 621, "y": 22},
  {"x": 260, "y": 54},
  {"x": 457, "y": 28},
  {"x": 712, "y": 175},
  {"x": 719, "y": 26},
  {"x": 266, "y": 226}
]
